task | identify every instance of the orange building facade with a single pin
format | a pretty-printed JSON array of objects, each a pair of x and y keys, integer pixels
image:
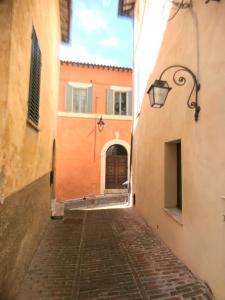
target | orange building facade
[{"x": 94, "y": 130}]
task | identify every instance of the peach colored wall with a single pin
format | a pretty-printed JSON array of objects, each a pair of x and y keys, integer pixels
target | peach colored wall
[{"x": 79, "y": 141}]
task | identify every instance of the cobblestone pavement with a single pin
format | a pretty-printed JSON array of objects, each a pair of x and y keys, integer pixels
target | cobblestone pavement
[{"x": 107, "y": 254}]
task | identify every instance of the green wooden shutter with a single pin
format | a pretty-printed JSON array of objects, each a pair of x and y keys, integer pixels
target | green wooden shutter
[
  {"x": 69, "y": 98},
  {"x": 35, "y": 78},
  {"x": 129, "y": 103},
  {"x": 89, "y": 99},
  {"x": 109, "y": 102}
]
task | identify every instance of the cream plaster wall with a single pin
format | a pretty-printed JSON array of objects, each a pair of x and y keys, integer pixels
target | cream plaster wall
[{"x": 194, "y": 38}]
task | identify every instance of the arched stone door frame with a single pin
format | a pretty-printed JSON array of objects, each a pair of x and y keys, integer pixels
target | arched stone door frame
[{"x": 103, "y": 160}]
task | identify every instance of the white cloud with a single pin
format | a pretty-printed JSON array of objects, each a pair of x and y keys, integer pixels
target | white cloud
[
  {"x": 111, "y": 42},
  {"x": 91, "y": 21},
  {"x": 79, "y": 53}
]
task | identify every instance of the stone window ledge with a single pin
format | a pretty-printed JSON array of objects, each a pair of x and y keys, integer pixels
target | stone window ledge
[
  {"x": 95, "y": 116},
  {"x": 175, "y": 213},
  {"x": 33, "y": 125}
]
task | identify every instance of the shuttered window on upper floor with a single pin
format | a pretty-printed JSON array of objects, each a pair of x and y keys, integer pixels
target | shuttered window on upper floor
[
  {"x": 78, "y": 99},
  {"x": 35, "y": 78},
  {"x": 119, "y": 102}
]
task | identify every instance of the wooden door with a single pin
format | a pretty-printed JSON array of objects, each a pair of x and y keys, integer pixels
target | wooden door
[{"x": 116, "y": 171}]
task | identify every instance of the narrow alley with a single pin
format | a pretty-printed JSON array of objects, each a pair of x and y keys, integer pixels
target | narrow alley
[
  {"x": 106, "y": 104},
  {"x": 107, "y": 254}
]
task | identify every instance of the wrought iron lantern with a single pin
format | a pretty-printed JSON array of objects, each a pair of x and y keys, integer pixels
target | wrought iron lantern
[
  {"x": 158, "y": 93},
  {"x": 160, "y": 89},
  {"x": 100, "y": 123}
]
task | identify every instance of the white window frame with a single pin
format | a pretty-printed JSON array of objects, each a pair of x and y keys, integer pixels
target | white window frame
[
  {"x": 120, "y": 89},
  {"x": 78, "y": 85}
]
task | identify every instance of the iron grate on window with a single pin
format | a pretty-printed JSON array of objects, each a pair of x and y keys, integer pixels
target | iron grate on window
[{"x": 35, "y": 76}]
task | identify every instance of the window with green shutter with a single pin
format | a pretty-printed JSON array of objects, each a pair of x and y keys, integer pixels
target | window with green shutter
[
  {"x": 35, "y": 78},
  {"x": 78, "y": 99},
  {"x": 119, "y": 102}
]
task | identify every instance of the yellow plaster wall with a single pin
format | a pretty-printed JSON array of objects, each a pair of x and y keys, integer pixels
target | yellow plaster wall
[
  {"x": 194, "y": 38},
  {"x": 5, "y": 27},
  {"x": 28, "y": 152},
  {"x": 25, "y": 153}
]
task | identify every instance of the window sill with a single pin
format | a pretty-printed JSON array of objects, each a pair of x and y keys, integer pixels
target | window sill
[
  {"x": 94, "y": 116},
  {"x": 33, "y": 125},
  {"x": 175, "y": 213}
]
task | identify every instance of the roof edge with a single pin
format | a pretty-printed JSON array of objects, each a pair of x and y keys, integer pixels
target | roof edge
[
  {"x": 65, "y": 7},
  {"x": 126, "y": 8},
  {"x": 96, "y": 66}
]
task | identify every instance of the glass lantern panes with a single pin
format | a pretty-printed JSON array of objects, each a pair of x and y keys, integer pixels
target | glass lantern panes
[{"x": 158, "y": 93}]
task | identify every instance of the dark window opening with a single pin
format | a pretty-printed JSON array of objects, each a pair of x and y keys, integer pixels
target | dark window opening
[
  {"x": 116, "y": 150},
  {"x": 173, "y": 175},
  {"x": 179, "y": 177}
]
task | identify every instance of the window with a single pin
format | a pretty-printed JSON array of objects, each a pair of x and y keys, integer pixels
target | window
[
  {"x": 173, "y": 175},
  {"x": 119, "y": 102},
  {"x": 78, "y": 98},
  {"x": 35, "y": 78},
  {"x": 179, "y": 177}
]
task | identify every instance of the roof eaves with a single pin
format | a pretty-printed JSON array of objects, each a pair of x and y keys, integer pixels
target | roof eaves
[
  {"x": 97, "y": 66},
  {"x": 65, "y": 15},
  {"x": 126, "y": 8}
]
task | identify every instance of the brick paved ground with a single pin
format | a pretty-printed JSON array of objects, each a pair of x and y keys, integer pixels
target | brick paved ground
[{"x": 107, "y": 254}]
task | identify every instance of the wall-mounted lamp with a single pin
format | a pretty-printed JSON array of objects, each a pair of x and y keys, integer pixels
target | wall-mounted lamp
[
  {"x": 160, "y": 89},
  {"x": 177, "y": 5},
  {"x": 100, "y": 123}
]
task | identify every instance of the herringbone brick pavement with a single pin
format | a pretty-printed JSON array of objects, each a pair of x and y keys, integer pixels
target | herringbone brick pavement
[{"x": 107, "y": 254}]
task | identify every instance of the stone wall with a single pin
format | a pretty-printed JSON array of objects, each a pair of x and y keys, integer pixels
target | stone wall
[{"x": 21, "y": 227}]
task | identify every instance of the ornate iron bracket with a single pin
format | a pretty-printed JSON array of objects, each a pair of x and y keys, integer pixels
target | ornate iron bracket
[
  {"x": 178, "y": 5},
  {"x": 183, "y": 4},
  {"x": 181, "y": 80}
]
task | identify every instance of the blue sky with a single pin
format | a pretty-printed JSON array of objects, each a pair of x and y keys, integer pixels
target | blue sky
[{"x": 98, "y": 35}]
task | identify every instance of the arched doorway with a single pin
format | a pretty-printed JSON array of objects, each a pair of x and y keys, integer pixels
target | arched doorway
[{"x": 116, "y": 167}]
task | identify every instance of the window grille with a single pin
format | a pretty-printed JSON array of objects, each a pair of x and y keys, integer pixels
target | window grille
[{"x": 35, "y": 77}]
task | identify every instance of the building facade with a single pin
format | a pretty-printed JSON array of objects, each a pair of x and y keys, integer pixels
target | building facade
[
  {"x": 178, "y": 164},
  {"x": 94, "y": 130},
  {"x": 29, "y": 70}
]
